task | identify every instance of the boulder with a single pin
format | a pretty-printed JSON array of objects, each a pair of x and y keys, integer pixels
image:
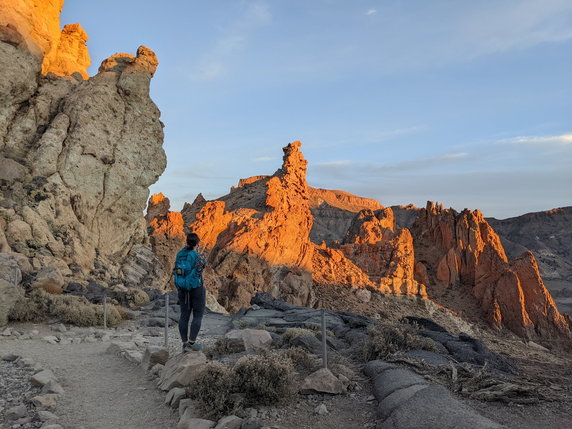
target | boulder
[
  {"x": 9, "y": 268},
  {"x": 229, "y": 422},
  {"x": 17, "y": 412},
  {"x": 174, "y": 396},
  {"x": 50, "y": 279},
  {"x": 322, "y": 381},
  {"x": 42, "y": 378},
  {"x": 47, "y": 401},
  {"x": 254, "y": 339},
  {"x": 9, "y": 294},
  {"x": 154, "y": 355},
  {"x": 180, "y": 369},
  {"x": 53, "y": 386},
  {"x": 187, "y": 421},
  {"x": 11, "y": 170}
]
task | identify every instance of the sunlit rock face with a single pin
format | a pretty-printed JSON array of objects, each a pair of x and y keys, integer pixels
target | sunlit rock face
[
  {"x": 460, "y": 251},
  {"x": 258, "y": 237},
  {"x": 81, "y": 153}
]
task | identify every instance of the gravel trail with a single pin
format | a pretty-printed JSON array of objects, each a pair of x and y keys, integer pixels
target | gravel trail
[{"x": 102, "y": 391}]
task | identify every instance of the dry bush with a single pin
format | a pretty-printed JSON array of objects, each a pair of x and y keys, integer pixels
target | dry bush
[
  {"x": 75, "y": 310},
  {"x": 213, "y": 387},
  {"x": 385, "y": 340},
  {"x": 292, "y": 333},
  {"x": 300, "y": 357},
  {"x": 264, "y": 379},
  {"x": 224, "y": 346},
  {"x": 137, "y": 297}
]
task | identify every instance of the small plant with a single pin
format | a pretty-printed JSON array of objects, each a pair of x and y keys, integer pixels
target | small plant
[
  {"x": 292, "y": 333},
  {"x": 75, "y": 310},
  {"x": 300, "y": 357},
  {"x": 240, "y": 324},
  {"x": 213, "y": 387},
  {"x": 137, "y": 297},
  {"x": 386, "y": 340},
  {"x": 264, "y": 379},
  {"x": 224, "y": 346}
]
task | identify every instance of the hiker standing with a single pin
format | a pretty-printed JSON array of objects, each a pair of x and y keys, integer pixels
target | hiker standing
[{"x": 188, "y": 276}]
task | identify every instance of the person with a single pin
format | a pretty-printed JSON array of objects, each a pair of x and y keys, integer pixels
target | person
[{"x": 188, "y": 269}]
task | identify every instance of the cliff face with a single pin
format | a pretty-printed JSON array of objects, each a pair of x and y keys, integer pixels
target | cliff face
[
  {"x": 77, "y": 155},
  {"x": 461, "y": 251},
  {"x": 548, "y": 235},
  {"x": 333, "y": 213},
  {"x": 258, "y": 236}
]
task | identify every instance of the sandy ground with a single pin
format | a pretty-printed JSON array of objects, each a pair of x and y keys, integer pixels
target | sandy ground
[{"x": 102, "y": 391}]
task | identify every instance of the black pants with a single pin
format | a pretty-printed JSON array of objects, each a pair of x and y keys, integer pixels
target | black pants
[{"x": 191, "y": 301}]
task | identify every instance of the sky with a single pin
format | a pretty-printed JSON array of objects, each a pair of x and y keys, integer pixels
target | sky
[{"x": 468, "y": 103}]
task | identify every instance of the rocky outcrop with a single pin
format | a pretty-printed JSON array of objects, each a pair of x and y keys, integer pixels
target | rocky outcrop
[
  {"x": 460, "y": 251},
  {"x": 80, "y": 154},
  {"x": 386, "y": 255},
  {"x": 548, "y": 235},
  {"x": 166, "y": 231},
  {"x": 333, "y": 213},
  {"x": 71, "y": 55},
  {"x": 262, "y": 246}
]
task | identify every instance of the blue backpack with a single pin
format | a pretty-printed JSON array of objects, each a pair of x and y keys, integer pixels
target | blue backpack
[{"x": 188, "y": 269}]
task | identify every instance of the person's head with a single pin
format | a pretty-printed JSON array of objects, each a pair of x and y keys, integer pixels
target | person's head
[{"x": 192, "y": 240}]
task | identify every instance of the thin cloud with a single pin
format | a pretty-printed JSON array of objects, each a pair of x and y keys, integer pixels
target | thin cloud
[
  {"x": 371, "y": 12},
  {"x": 390, "y": 134},
  {"x": 215, "y": 64},
  {"x": 563, "y": 139},
  {"x": 263, "y": 159},
  {"x": 343, "y": 163}
]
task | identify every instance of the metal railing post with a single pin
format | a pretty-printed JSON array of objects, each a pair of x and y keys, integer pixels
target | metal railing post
[{"x": 324, "y": 336}]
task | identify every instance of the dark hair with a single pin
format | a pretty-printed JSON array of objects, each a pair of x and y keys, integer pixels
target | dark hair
[{"x": 192, "y": 240}]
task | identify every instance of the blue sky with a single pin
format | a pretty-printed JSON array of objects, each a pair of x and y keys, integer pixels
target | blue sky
[{"x": 464, "y": 102}]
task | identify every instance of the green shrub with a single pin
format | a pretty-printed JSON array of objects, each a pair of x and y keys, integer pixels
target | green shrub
[
  {"x": 75, "y": 310},
  {"x": 386, "y": 340}
]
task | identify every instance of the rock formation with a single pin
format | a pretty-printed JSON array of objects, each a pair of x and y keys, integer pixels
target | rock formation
[
  {"x": 259, "y": 240},
  {"x": 77, "y": 155},
  {"x": 548, "y": 235},
  {"x": 461, "y": 251},
  {"x": 166, "y": 231},
  {"x": 333, "y": 213},
  {"x": 259, "y": 235}
]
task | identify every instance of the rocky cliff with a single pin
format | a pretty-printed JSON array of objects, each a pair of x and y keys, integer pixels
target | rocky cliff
[
  {"x": 548, "y": 235},
  {"x": 461, "y": 254},
  {"x": 259, "y": 239},
  {"x": 77, "y": 156},
  {"x": 262, "y": 236}
]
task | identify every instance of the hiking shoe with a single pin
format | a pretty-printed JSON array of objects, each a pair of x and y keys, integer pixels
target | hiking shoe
[{"x": 195, "y": 347}]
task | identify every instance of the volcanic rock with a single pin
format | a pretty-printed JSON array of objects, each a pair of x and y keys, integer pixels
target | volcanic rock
[
  {"x": 461, "y": 250},
  {"x": 80, "y": 156}
]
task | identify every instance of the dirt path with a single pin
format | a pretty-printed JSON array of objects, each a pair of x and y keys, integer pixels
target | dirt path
[{"x": 102, "y": 391}]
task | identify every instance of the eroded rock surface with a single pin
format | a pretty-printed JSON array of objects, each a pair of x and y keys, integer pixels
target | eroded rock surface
[
  {"x": 79, "y": 154},
  {"x": 461, "y": 251}
]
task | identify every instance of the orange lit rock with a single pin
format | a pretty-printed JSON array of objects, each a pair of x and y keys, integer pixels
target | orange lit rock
[
  {"x": 38, "y": 21},
  {"x": 461, "y": 250},
  {"x": 166, "y": 231},
  {"x": 71, "y": 54}
]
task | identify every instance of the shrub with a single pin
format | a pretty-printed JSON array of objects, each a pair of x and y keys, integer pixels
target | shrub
[
  {"x": 137, "y": 297},
  {"x": 300, "y": 357},
  {"x": 224, "y": 346},
  {"x": 75, "y": 310},
  {"x": 292, "y": 333},
  {"x": 386, "y": 340},
  {"x": 264, "y": 379},
  {"x": 213, "y": 387}
]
